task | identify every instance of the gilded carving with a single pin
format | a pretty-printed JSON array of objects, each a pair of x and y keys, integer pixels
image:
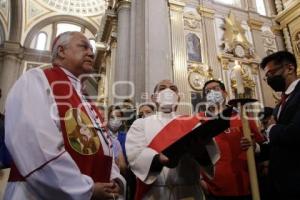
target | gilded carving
[
  {"x": 192, "y": 23},
  {"x": 297, "y": 42},
  {"x": 269, "y": 40},
  {"x": 235, "y": 41},
  {"x": 248, "y": 82},
  {"x": 198, "y": 75}
]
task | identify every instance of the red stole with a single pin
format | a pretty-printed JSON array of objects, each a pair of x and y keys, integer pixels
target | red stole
[
  {"x": 172, "y": 132},
  {"x": 96, "y": 164}
]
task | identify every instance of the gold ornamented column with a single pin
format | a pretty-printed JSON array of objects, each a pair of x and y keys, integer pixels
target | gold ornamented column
[
  {"x": 279, "y": 6},
  {"x": 289, "y": 20},
  {"x": 179, "y": 55},
  {"x": 287, "y": 39}
]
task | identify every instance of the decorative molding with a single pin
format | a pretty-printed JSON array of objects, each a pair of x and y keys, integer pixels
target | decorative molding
[
  {"x": 176, "y": 6},
  {"x": 255, "y": 24},
  {"x": 250, "y": 71},
  {"x": 289, "y": 14},
  {"x": 198, "y": 75},
  {"x": 269, "y": 40},
  {"x": 206, "y": 12},
  {"x": 235, "y": 41},
  {"x": 108, "y": 26},
  {"x": 296, "y": 42},
  {"x": 276, "y": 29},
  {"x": 4, "y": 11},
  {"x": 279, "y": 6},
  {"x": 287, "y": 39},
  {"x": 74, "y": 7},
  {"x": 34, "y": 11},
  {"x": 12, "y": 48},
  {"x": 123, "y": 4},
  {"x": 192, "y": 21}
]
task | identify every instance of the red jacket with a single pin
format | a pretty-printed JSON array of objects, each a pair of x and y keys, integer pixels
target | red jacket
[{"x": 231, "y": 171}]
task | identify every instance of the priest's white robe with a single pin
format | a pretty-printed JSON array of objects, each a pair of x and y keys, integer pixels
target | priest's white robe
[
  {"x": 181, "y": 182},
  {"x": 34, "y": 139}
]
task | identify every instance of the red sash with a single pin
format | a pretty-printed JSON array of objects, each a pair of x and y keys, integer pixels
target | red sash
[
  {"x": 172, "y": 132},
  {"x": 96, "y": 165}
]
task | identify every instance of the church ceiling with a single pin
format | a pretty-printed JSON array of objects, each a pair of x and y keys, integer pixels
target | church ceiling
[{"x": 76, "y": 7}]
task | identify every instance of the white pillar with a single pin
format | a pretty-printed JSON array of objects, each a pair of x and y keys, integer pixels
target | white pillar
[
  {"x": 10, "y": 69},
  {"x": 123, "y": 47},
  {"x": 150, "y": 54}
]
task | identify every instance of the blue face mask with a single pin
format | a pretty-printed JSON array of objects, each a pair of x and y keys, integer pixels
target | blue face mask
[{"x": 215, "y": 97}]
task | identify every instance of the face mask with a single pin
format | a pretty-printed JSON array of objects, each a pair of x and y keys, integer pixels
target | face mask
[
  {"x": 167, "y": 98},
  {"x": 114, "y": 124},
  {"x": 215, "y": 97},
  {"x": 276, "y": 82}
]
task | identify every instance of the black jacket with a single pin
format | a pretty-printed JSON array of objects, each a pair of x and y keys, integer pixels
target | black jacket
[{"x": 284, "y": 169}]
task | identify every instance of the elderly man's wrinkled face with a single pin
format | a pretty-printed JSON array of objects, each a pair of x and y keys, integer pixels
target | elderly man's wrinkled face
[{"x": 79, "y": 54}]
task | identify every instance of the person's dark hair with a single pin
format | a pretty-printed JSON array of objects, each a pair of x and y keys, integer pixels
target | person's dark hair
[
  {"x": 114, "y": 108},
  {"x": 279, "y": 58},
  {"x": 222, "y": 86},
  {"x": 150, "y": 105},
  {"x": 265, "y": 113}
]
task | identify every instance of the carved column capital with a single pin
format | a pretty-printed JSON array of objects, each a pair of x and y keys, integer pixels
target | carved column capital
[
  {"x": 206, "y": 12},
  {"x": 176, "y": 5},
  {"x": 255, "y": 24},
  {"x": 122, "y": 4}
]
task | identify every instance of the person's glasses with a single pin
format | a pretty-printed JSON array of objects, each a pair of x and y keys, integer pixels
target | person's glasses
[{"x": 272, "y": 72}]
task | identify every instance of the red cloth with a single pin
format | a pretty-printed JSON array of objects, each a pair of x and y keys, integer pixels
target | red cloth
[
  {"x": 172, "y": 132},
  {"x": 97, "y": 166},
  {"x": 231, "y": 171}
]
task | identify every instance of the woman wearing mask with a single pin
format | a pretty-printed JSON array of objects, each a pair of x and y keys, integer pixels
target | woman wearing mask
[
  {"x": 146, "y": 110},
  {"x": 114, "y": 125}
]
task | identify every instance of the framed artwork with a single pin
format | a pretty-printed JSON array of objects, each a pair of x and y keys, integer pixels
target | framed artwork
[{"x": 193, "y": 47}]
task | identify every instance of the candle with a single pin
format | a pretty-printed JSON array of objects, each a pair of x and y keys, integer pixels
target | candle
[{"x": 237, "y": 69}]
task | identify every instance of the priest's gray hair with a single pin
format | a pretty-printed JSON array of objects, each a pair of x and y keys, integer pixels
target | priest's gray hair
[{"x": 61, "y": 40}]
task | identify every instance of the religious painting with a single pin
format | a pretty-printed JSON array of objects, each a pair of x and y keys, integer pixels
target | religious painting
[{"x": 193, "y": 47}]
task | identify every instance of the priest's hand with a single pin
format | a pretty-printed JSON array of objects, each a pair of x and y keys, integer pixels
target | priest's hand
[
  {"x": 104, "y": 191},
  {"x": 164, "y": 160},
  {"x": 160, "y": 160}
]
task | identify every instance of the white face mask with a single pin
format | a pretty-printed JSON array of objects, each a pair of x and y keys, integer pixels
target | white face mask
[
  {"x": 215, "y": 97},
  {"x": 167, "y": 98},
  {"x": 114, "y": 124}
]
